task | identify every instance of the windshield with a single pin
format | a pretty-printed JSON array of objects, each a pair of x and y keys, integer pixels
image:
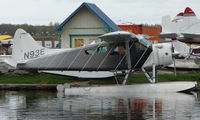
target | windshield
[{"x": 144, "y": 42}]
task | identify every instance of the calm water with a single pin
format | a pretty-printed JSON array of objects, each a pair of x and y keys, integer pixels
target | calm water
[{"x": 48, "y": 105}]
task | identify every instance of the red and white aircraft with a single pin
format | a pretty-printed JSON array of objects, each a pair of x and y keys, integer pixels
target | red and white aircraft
[{"x": 185, "y": 27}]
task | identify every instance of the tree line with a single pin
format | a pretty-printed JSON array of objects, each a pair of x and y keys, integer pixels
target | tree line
[
  {"x": 39, "y": 32},
  {"x": 34, "y": 30}
]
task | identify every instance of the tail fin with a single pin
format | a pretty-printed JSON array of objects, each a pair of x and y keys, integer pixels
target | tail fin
[
  {"x": 166, "y": 21},
  {"x": 25, "y": 47},
  {"x": 168, "y": 26}
]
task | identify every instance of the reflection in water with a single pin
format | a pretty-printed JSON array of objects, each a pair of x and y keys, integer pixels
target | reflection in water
[{"x": 46, "y": 105}]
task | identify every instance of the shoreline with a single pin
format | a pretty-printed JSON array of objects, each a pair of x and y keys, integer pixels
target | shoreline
[
  {"x": 49, "y": 82},
  {"x": 28, "y": 87}
]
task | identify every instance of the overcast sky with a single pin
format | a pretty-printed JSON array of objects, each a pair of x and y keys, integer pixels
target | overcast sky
[{"x": 42, "y": 12}]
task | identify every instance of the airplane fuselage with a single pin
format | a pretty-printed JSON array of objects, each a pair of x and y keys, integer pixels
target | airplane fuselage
[{"x": 97, "y": 57}]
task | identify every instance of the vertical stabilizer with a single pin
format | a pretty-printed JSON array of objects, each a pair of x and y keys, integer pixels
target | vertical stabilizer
[
  {"x": 178, "y": 17},
  {"x": 166, "y": 23},
  {"x": 25, "y": 47}
]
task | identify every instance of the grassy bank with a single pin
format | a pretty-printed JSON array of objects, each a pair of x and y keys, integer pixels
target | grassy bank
[
  {"x": 55, "y": 79},
  {"x": 35, "y": 79},
  {"x": 140, "y": 78}
]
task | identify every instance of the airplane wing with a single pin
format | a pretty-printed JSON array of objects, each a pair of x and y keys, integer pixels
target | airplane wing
[
  {"x": 174, "y": 35},
  {"x": 168, "y": 35},
  {"x": 191, "y": 35},
  {"x": 192, "y": 38}
]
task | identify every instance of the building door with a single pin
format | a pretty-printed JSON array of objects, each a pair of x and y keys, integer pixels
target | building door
[{"x": 79, "y": 42}]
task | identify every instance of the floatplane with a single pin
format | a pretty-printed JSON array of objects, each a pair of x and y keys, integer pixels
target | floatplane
[
  {"x": 118, "y": 51},
  {"x": 184, "y": 28},
  {"x": 5, "y": 40}
]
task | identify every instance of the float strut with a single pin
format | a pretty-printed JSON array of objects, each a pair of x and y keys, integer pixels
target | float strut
[
  {"x": 147, "y": 75},
  {"x": 127, "y": 77},
  {"x": 155, "y": 77}
]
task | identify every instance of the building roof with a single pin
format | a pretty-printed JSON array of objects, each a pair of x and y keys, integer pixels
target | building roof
[{"x": 97, "y": 12}]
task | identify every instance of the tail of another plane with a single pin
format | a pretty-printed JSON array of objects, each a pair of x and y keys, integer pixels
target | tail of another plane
[{"x": 166, "y": 24}]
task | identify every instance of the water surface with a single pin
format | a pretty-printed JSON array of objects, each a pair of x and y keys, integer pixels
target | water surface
[{"x": 42, "y": 105}]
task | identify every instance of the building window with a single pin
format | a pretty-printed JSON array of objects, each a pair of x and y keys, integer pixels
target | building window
[{"x": 79, "y": 42}]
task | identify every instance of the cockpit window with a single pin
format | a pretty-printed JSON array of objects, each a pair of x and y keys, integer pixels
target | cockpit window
[
  {"x": 141, "y": 43},
  {"x": 89, "y": 52},
  {"x": 140, "y": 46},
  {"x": 116, "y": 49},
  {"x": 144, "y": 42},
  {"x": 102, "y": 49},
  {"x": 119, "y": 49}
]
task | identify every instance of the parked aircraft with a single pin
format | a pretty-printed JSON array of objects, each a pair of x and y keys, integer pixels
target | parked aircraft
[
  {"x": 119, "y": 51},
  {"x": 5, "y": 41},
  {"x": 184, "y": 27},
  {"x": 5, "y": 37}
]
